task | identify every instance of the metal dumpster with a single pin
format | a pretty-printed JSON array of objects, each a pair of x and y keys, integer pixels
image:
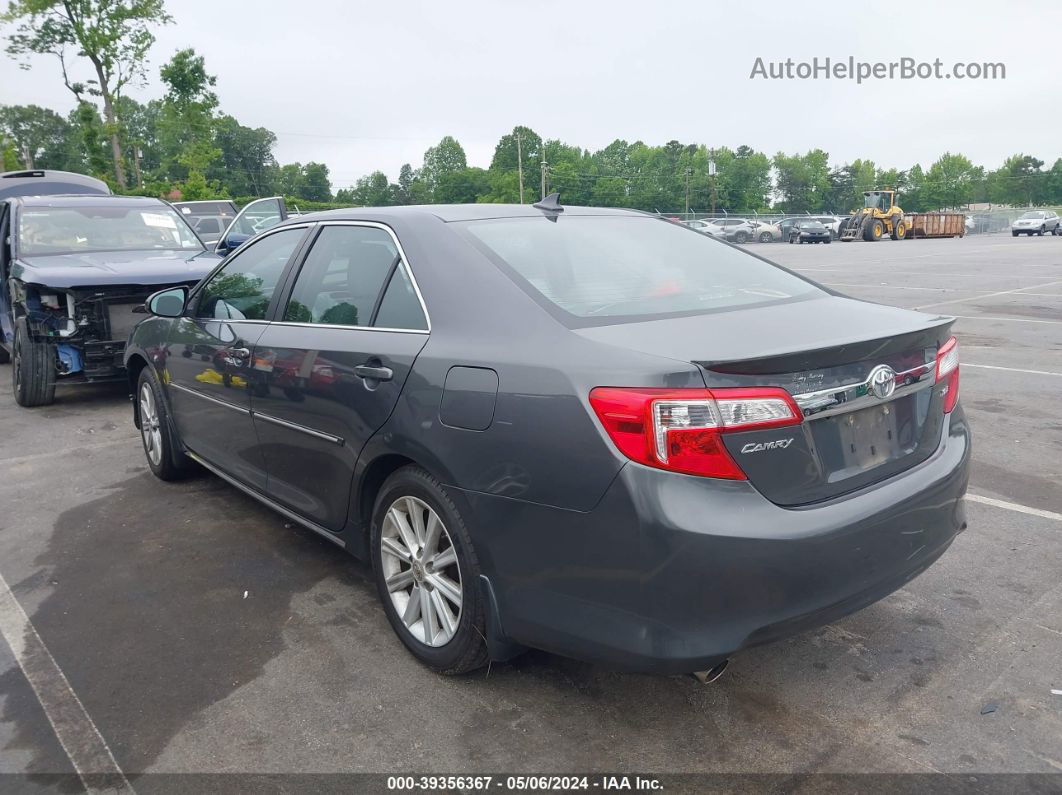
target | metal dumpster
[{"x": 935, "y": 225}]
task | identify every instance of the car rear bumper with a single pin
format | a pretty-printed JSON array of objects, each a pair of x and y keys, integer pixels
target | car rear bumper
[{"x": 670, "y": 573}]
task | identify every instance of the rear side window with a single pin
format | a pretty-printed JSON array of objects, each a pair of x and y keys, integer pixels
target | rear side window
[
  {"x": 400, "y": 307},
  {"x": 602, "y": 269},
  {"x": 343, "y": 276}
]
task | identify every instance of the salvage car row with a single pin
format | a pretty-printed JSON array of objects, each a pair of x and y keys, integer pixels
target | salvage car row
[{"x": 585, "y": 430}]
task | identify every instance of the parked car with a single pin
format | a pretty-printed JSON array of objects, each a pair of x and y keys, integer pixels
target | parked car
[
  {"x": 73, "y": 271},
  {"x": 764, "y": 232},
  {"x": 831, "y": 222},
  {"x": 584, "y": 430},
  {"x": 809, "y": 231},
  {"x": 735, "y": 230},
  {"x": 1035, "y": 222},
  {"x": 209, "y": 219}
]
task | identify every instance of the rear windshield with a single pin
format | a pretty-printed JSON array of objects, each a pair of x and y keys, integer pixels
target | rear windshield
[
  {"x": 104, "y": 227},
  {"x": 608, "y": 268}
]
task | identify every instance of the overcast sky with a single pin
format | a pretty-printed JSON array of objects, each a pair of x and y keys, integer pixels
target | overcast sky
[{"x": 367, "y": 85}]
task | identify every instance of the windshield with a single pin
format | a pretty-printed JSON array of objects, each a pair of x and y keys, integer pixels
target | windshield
[
  {"x": 810, "y": 225},
  {"x": 1033, "y": 215},
  {"x": 595, "y": 267},
  {"x": 102, "y": 227}
]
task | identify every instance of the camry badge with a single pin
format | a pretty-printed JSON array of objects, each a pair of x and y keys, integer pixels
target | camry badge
[
  {"x": 777, "y": 444},
  {"x": 882, "y": 382}
]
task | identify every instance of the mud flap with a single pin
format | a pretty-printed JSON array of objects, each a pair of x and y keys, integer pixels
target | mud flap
[{"x": 499, "y": 647}]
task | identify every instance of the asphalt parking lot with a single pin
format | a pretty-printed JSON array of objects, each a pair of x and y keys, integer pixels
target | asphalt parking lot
[{"x": 202, "y": 632}]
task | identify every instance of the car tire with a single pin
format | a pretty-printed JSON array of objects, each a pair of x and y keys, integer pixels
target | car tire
[
  {"x": 741, "y": 237},
  {"x": 165, "y": 457},
  {"x": 765, "y": 237},
  {"x": 32, "y": 368},
  {"x": 872, "y": 232},
  {"x": 456, "y": 644},
  {"x": 1013, "y": 234},
  {"x": 827, "y": 241},
  {"x": 1041, "y": 232}
]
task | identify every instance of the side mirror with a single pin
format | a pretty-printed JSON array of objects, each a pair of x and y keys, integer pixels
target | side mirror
[
  {"x": 168, "y": 303},
  {"x": 231, "y": 243}
]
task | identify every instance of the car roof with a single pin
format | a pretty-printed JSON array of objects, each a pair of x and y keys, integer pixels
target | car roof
[
  {"x": 43, "y": 181},
  {"x": 87, "y": 200},
  {"x": 458, "y": 212}
]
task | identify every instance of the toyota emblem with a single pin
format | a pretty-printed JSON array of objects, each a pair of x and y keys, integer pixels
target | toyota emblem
[{"x": 882, "y": 382}]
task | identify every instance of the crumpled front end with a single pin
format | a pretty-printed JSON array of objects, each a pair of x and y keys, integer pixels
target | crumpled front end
[{"x": 87, "y": 326}]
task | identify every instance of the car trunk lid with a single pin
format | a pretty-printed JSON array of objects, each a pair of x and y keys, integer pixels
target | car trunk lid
[{"x": 862, "y": 374}]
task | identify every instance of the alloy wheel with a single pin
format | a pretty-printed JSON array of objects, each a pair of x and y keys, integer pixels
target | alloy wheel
[
  {"x": 421, "y": 571},
  {"x": 149, "y": 425}
]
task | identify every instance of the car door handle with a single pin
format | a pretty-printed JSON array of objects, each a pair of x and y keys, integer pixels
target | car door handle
[{"x": 368, "y": 371}]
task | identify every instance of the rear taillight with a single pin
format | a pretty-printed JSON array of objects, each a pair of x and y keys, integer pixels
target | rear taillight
[
  {"x": 680, "y": 429},
  {"x": 948, "y": 372}
]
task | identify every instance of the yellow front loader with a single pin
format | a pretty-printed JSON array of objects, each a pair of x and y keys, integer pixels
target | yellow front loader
[{"x": 879, "y": 216}]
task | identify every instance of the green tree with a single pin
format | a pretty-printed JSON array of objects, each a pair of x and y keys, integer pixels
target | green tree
[
  {"x": 847, "y": 184},
  {"x": 186, "y": 120},
  {"x": 509, "y": 154},
  {"x": 113, "y": 35},
  {"x": 464, "y": 186},
  {"x": 950, "y": 181},
  {"x": 89, "y": 148},
  {"x": 1019, "y": 181},
  {"x": 372, "y": 190},
  {"x": 743, "y": 178},
  {"x": 314, "y": 184},
  {"x": 38, "y": 135},
  {"x": 802, "y": 181},
  {"x": 246, "y": 166},
  {"x": 446, "y": 157},
  {"x": 139, "y": 133}
]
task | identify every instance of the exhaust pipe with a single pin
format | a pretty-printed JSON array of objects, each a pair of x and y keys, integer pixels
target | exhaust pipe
[{"x": 709, "y": 676}]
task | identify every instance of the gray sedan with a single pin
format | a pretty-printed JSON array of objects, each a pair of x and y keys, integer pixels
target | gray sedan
[{"x": 584, "y": 430}]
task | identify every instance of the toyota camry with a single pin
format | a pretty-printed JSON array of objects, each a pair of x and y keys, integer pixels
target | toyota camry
[{"x": 589, "y": 431}]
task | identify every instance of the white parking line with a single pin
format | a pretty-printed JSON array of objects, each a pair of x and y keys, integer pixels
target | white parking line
[
  {"x": 989, "y": 295},
  {"x": 1013, "y": 506},
  {"x": 1011, "y": 369},
  {"x": 907, "y": 287},
  {"x": 1012, "y": 319},
  {"x": 84, "y": 745}
]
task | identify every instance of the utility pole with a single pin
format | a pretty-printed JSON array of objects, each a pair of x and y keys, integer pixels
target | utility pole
[
  {"x": 137, "y": 154},
  {"x": 711, "y": 176},
  {"x": 545, "y": 169},
  {"x": 520, "y": 165},
  {"x": 688, "y": 172}
]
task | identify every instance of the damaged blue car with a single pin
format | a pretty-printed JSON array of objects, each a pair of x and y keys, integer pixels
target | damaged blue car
[{"x": 74, "y": 273}]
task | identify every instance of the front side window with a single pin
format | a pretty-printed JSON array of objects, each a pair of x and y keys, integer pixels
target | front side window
[
  {"x": 342, "y": 277},
  {"x": 607, "y": 267},
  {"x": 106, "y": 226},
  {"x": 243, "y": 288}
]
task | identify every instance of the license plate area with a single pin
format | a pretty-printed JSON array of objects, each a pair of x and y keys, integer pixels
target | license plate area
[{"x": 868, "y": 438}]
